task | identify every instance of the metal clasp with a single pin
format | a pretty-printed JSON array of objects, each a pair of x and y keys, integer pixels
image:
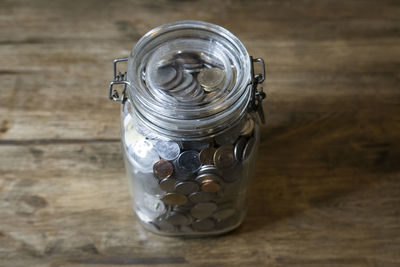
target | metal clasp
[
  {"x": 119, "y": 78},
  {"x": 257, "y": 95}
]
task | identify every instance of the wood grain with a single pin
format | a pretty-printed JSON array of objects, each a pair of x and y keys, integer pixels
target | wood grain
[{"x": 327, "y": 186}]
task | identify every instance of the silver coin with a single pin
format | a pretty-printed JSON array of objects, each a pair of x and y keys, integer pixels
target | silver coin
[
  {"x": 187, "y": 91},
  {"x": 224, "y": 157},
  {"x": 168, "y": 150},
  {"x": 223, "y": 214},
  {"x": 203, "y": 210},
  {"x": 174, "y": 199},
  {"x": 239, "y": 148},
  {"x": 177, "y": 218},
  {"x": 248, "y": 148},
  {"x": 188, "y": 161},
  {"x": 165, "y": 75},
  {"x": 181, "y": 175},
  {"x": 186, "y": 188},
  {"x": 208, "y": 169},
  {"x": 211, "y": 78},
  {"x": 144, "y": 155},
  {"x": 203, "y": 225},
  {"x": 193, "y": 96},
  {"x": 199, "y": 197},
  {"x": 187, "y": 81},
  {"x": 175, "y": 82},
  {"x": 191, "y": 66},
  {"x": 167, "y": 184}
]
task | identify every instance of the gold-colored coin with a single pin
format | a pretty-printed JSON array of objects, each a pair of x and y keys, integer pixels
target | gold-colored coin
[
  {"x": 174, "y": 199},
  {"x": 211, "y": 78},
  {"x": 207, "y": 156},
  {"x": 210, "y": 186},
  {"x": 163, "y": 169}
]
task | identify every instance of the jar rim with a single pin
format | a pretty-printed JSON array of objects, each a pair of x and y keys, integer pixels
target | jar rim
[{"x": 194, "y": 121}]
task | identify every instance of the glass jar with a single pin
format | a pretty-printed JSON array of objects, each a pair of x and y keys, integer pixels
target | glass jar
[{"x": 190, "y": 129}]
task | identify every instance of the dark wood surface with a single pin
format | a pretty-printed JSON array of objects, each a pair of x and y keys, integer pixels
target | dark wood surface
[{"x": 327, "y": 186}]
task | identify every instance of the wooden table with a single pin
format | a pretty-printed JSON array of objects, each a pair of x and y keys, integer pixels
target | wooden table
[{"x": 327, "y": 186}]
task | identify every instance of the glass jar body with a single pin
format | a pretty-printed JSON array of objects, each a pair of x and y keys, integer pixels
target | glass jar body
[{"x": 189, "y": 187}]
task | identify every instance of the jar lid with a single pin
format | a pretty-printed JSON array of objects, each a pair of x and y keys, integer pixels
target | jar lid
[{"x": 189, "y": 80}]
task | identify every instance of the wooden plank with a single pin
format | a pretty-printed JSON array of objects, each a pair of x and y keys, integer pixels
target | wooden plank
[{"x": 326, "y": 190}]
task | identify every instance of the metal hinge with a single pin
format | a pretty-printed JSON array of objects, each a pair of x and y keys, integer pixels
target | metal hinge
[
  {"x": 258, "y": 95},
  {"x": 119, "y": 78}
]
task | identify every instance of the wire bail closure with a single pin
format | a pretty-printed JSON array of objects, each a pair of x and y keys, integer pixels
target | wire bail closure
[
  {"x": 119, "y": 78},
  {"x": 257, "y": 95}
]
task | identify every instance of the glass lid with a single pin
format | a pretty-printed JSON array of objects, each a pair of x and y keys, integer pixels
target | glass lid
[{"x": 192, "y": 73}]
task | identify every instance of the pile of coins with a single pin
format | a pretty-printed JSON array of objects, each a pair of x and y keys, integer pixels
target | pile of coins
[
  {"x": 193, "y": 186},
  {"x": 188, "y": 77}
]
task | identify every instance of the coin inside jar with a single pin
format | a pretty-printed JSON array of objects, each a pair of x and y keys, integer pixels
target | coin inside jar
[
  {"x": 239, "y": 148},
  {"x": 165, "y": 75},
  {"x": 177, "y": 218},
  {"x": 207, "y": 156},
  {"x": 248, "y": 128},
  {"x": 186, "y": 188},
  {"x": 211, "y": 78},
  {"x": 248, "y": 148},
  {"x": 174, "y": 199},
  {"x": 224, "y": 157},
  {"x": 203, "y": 224},
  {"x": 199, "y": 197},
  {"x": 209, "y": 183},
  {"x": 167, "y": 184},
  {"x": 168, "y": 150},
  {"x": 163, "y": 169},
  {"x": 188, "y": 161},
  {"x": 203, "y": 210}
]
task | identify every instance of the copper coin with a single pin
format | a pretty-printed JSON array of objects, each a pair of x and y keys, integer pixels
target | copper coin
[
  {"x": 163, "y": 169},
  {"x": 209, "y": 183},
  {"x": 224, "y": 157},
  {"x": 248, "y": 148},
  {"x": 167, "y": 184},
  {"x": 174, "y": 199},
  {"x": 207, "y": 156}
]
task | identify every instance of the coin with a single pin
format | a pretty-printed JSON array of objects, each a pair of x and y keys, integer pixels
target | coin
[
  {"x": 167, "y": 184},
  {"x": 188, "y": 161},
  {"x": 203, "y": 225},
  {"x": 224, "y": 157},
  {"x": 199, "y": 197},
  {"x": 177, "y": 218},
  {"x": 231, "y": 175},
  {"x": 187, "y": 58},
  {"x": 168, "y": 150},
  {"x": 178, "y": 79},
  {"x": 207, "y": 156},
  {"x": 186, "y": 82},
  {"x": 174, "y": 199},
  {"x": 165, "y": 75},
  {"x": 163, "y": 169},
  {"x": 248, "y": 128},
  {"x": 223, "y": 214},
  {"x": 226, "y": 138},
  {"x": 239, "y": 147},
  {"x": 248, "y": 148},
  {"x": 143, "y": 155},
  {"x": 165, "y": 226},
  {"x": 211, "y": 78},
  {"x": 203, "y": 210},
  {"x": 186, "y": 188},
  {"x": 209, "y": 182},
  {"x": 208, "y": 169}
]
